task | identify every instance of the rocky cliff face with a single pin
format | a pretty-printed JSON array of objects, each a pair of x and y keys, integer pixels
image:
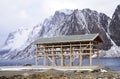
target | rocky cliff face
[
  {"x": 67, "y": 22},
  {"x": 115, "y": 26}
]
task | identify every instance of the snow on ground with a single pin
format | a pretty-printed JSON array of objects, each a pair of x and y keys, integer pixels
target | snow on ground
[{"x": 20, "y": 68}]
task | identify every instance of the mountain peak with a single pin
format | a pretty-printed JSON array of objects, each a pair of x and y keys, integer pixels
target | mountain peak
[
  {"x": 116, "y": 13},
  {"x": 65, "y": 11},
  {"x": 118, "y": 7}
]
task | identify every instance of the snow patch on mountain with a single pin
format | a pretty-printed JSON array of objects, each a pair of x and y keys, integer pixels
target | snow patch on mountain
[
  {"x": 15, "y": 42},
  {"x": 108, "y": 26},
  {"x": 82, "y": 20},
  {"x": 34, "y": 33},
  {"x": 112, "y": 52},
  {"x": 18, "y": 38},
  {"x": 111, "y": 40}
]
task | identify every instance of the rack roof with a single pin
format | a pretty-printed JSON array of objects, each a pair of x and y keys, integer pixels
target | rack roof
[{"x": 69, "y": 38}]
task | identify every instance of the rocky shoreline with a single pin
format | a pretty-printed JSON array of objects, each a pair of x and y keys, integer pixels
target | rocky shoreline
[{"x": 57, "y": 74}]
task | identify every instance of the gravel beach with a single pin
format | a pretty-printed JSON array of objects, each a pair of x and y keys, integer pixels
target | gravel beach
[{"x": 57, "y": 74}]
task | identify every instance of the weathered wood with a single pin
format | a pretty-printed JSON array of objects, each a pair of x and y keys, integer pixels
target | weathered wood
[
  {"x": 45, "y": 57},
  {"x": 90, "y": 54},
  {"x": 36, "y": 55},
  {"x": 71, "y": 51},
  {"x": 62, "y": 60},
  {"x": 70, "y": 55},
  {"x": 50, "y": 46},
  {"x": 80, "y": 56},
  {"x": 98, "y": 56}
]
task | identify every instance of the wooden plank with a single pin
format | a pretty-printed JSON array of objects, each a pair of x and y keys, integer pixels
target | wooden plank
[
  {"x": 69, "y": 54},
  {"x": 67, "y": 45}
]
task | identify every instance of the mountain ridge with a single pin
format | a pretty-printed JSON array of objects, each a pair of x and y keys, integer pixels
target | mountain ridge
[{"x": 69, "y": 22}]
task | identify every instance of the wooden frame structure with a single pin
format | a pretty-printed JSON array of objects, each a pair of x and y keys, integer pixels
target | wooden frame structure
[{"x": 68, "y": 50}]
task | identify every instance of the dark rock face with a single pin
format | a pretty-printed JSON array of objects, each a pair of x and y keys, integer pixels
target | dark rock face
[
  {"x": 2, "y": 52},
  {"x": 72, "y": 26},
  {"x": 79, "y": 22},
  {"x": 10, "y": 36},
  {"x": 115, "y": 26}
]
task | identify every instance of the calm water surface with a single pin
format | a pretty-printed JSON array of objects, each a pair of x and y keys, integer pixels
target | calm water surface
[{"x": 113, "y": 63}]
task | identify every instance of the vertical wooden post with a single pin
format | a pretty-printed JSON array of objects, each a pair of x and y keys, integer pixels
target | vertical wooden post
[
  {"x": 36, "y": 62},
  {"x": 80, "y": 56},
  {"x": 98, "y": 56},
  {"x": 55, "y": 60},
  {"x": 45, "y": 57},
  {"x": 62, "y": 60},
  {"x": 90, "y": 60},
  {"x": 70, "y": 55},
  {"x": 53, "y": 56}
]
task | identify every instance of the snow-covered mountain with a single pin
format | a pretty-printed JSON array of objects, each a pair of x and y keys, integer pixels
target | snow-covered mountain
[
  {"x": 15, "y": 42},
  {"x": 66, "y": 22}
]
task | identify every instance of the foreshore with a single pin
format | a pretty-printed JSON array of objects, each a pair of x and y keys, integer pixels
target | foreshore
[{"x": 102, "y": 73}]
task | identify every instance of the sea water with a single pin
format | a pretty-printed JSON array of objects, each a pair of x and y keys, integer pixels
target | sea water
[{"x": 112, "y": 63}]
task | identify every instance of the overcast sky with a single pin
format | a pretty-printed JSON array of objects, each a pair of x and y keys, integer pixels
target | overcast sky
[{"x": 17, "y": 13}]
